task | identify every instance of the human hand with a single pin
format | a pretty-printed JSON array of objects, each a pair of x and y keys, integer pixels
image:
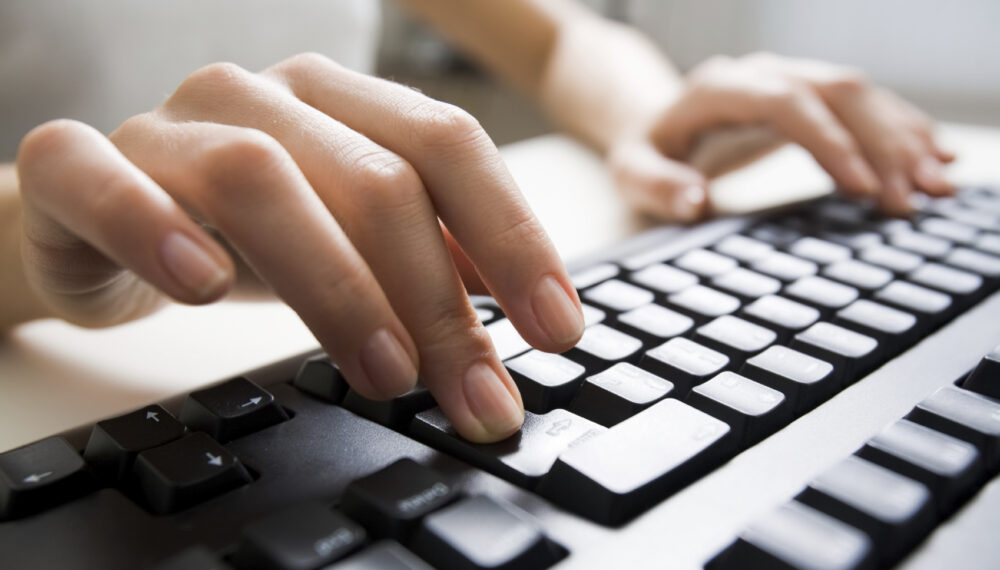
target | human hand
[
  {"x": 330, "y": 184},
  {"x": 872, "y": 142}
]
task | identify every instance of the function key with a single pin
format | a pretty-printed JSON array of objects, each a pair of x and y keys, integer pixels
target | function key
[
  {"x": 655, "y": 322},
  {"x": 40, "y": 475},
  {"x": 231, "y": 410},
  {"x": 320, "y": 377},
  {"x": 735, "y": 337},
  {"x": 114, "y": 443},
  {"x": 618, "y": 295},
  {"x": 703, "y": 303},
  {"x": 752, "y": 410},
  {"x": 822, "y": 293},
  {"x": 858, "y": 274},
  {"x": 971, "y": 260},
  {"x": 594, "y": 275},
  {"x": 965, "y": 415},
  {"x": 684, "y": 362},
  {"x": 818, "y": 250},
  {"x": 923, "y": 244},
  {"x": 185, "y": 472},
  {"x": 546, "y": 380},
  {"x": 785, "y": 267},
  {"x": 746, "y": 284},
  {"x": 985, "y": 378},
  {"x": 391, "y": 501},
  {"x": 743, "y": 248},
  {"x": 383, "y": 555},
  {"x": 949, "y": 229},
  {"x": 891, "y": 258},
  {"x": 775, "y": 235},
  {"x": 804, "y": 380},
  {"x": 482, "y": 532},
  {"x": 396, "y": 412},
  {"x": 780, "y": 314},
  {"x": 303, "y": 536},
  {"x": 619, "y": 393},
  {"x": 705, "y": 263},
  {"x": 851, "y": 353},
  {"x": 664, "y": 278}
]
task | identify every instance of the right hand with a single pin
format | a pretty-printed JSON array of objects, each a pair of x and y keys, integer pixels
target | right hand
[{"x": 333, "y": 186}]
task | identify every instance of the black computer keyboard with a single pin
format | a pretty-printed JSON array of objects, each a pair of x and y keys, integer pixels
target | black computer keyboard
[{"x": 792, "y": 390}]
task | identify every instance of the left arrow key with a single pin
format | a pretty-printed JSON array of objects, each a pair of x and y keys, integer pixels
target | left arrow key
[{"x": 41, "y": 475}]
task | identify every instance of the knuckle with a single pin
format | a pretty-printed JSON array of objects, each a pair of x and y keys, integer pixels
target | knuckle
[
  {"x": 521, "y": 233},
  {"x": 455, "y": 331},
  {"x": 384, "y": 181},
  {"x": 845, "y": 82},
  {"x": 441, "y": 125},
  {"x": 212, "y": 79},
  {"x": 242, "y": 162},
  {"x": 304, "y": 65}
]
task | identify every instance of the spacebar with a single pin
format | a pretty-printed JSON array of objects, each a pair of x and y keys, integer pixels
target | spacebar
[
  {"x": 623, "y": 471},
  {"x": 968, "y": 538}
]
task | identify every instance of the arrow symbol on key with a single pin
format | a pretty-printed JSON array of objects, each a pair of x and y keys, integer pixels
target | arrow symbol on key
[
  {"x": 214, "y": 459},
  {"x": 36, "y": 477},
  {"x": 152, "y": 416},
  {"x": 252, "y": 402}
]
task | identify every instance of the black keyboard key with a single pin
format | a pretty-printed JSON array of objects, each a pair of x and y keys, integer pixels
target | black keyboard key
[
  {"x": 193, "y": 558},
  {"x": 655, "y": 323},
  {"x": 891, "y": 327},
  {"x": 600, "y": 346},
  {"x": 619, "y": 393},
  {"x": 664, "y": 278},
  {"x": 185, "y": 472},
  {"x": 949, "y": 467},
  {"x": 684, "y": 362},
  {"x": 383, "y": 555},
  {"x": 818, "y": 250},
  {"x": 618, "y": 295},
  {"x": 859, "y": 274},
  {"x": 851, "y": 353},
  {"x": 775, "y": 235},
  {"x": 114, "y": 443},
  {"x": 736, "y": 338},
  {"x": 966, "y": 415},
  {"x": 891, "y": 258},
  {"x": 985, "y": 378},
  {"x": 231, "y": 410},
  {"x": 797, "y": 536},
  {"x": 894, "y": 510},
  {"x": 746, "y": 284},
  {"x": 705, "y": 263},
  {"x": 745, "y": 249},
  {"x": 785, "y": 267},
  {"x": 947, "y": 279},
  {"x": 804, "y": 380},
  {"x": 396, "y": 412},
  {"x": 391, "y": 501},
  {"x": 613, "y": 476},
  {"x": 320, "y": 377},
  {"x": 752, "y": 410},
  {"x": 40, "y": 475},
  {"x": 481, "y": 532},
  {"x": 546, "y": 380},
  {"x": 784, "y": 316},
  {"x": 299, "y": 537},
  {"x": 824, "y": 294},
  {"x": 703, "y": 303},
  {"x": 522, "y": 458},
  {"x": 977, "y": 262}
]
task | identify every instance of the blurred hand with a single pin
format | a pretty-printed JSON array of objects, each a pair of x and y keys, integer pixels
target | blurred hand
[
  {"x": 870, "y": 141},
  {"x": 333, "y": 187}
]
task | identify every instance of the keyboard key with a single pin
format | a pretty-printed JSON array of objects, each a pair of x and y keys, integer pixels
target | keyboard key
[
  {"x": 396, "y": 412},
  {"x": 922, "y": 244},
  {"x": 891, "y": 258},
  {"x": 851, "y": 353},
  {"x": 854, "y": 239},
  {"x": 949, "y": 467},
  {"x": 736, "y": 338},
  {"x": 804, "y": 380},
  {"x": 40, "y": 475},
  {"x": 705, "y": 263},
  {"x": 664, "y": 278},
  {"x": 822, "y": 293},
  {"x": 114, "y": 443},
  {"x": 982, "y": 219},
  {"x": 752, "y": 410},
  {"x": 784, "y": 316},
  {"x": 785, "y": 267},
  {"x": 619, "y": 393},
  {"x": 601, "y": 345},
  {"x": 654, "y": 322},
  {"x": 775, "y": 235},
  {"x": 618, "y": 295},
  {"x": 506, "y": 339},
  {"x": 522, "y": 458},
  {"x": 985, "y": 378},
  {"x": 818, "y": 250},
  {"x": 613, "y": 476},
  {"x": 949, "y": 229},
  {"x": 591, "y": 315},
  {"x": 383, "y": 555},
  {"x": 966, "y": 415},
  {"x": 594, "y": 275},
  {"x": 391, "y": 501},
  {"x": 977, "y": 262},
  {"x": 703, "y": 303},
  {"x": 933, "y": 305},
  {"x": 304, "y": 536},
  {"x": 481, "y": 532},
  {"x": 746, "y": 284},
  {"x": 231, "y": 410},
  {"x": 947, "y": 279},
  {"x": 895, "y": 511},
  {"x": 990, "y": 243},
  {"x": 684, "y": 362},
  {"x": 546, "y": 380},
  {"x": 185, "y": 472},
  {"x": 743, "y": 248},
  {"x": 320, "y": 377},
  {"x": 890, "y": 327},
  {"x": 858, "y": 274},
  {"x": 193, "y": 558},
  {"x": 797, "y": 536}
]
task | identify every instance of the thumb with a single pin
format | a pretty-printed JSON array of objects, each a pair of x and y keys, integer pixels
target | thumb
[{"x": 658, "y": 185}]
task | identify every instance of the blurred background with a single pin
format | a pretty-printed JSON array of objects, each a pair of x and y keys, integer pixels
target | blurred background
[{"x": 944, "y": 56}]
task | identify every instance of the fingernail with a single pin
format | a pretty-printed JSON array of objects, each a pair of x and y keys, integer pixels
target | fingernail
[
  {"x": 556, "y": 312},
  {"x": 929, "y": 175},
  {"x": 861, "y": 176},
  {"x": 195, "y": 268},
  {"x": 389, "y": 367},
  {"x": 491, "y": 402},
  {"x": 689, "y": 203}
]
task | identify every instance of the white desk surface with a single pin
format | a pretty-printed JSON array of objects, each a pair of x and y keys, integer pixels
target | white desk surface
[{"x": 54, "y": 376}]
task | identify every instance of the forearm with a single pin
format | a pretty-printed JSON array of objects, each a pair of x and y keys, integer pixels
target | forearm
[{"x": 17, "y": 301}]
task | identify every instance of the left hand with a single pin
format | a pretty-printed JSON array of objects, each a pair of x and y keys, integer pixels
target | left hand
[{"x": 872, "y": 142}]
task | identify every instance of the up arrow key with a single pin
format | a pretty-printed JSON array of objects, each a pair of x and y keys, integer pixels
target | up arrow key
[
  {"x": 214, "y": 459},
  {"x": 252, "y": 402},
  {"x": 152, "y": 416}
]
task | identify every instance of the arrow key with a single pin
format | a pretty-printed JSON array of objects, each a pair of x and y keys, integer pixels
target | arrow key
[
  {"x": 231, "y": 410},
  {"x": 114, "y": 443},
  {"x": 40, "y": 475},
  {"x": 185, "y": 472}
]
